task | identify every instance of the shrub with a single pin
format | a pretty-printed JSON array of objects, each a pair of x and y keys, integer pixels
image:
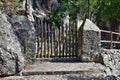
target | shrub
[{"x": 10, "y": 6}]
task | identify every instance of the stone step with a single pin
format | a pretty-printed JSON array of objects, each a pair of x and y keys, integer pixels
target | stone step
[
  {"x": 59, "y": 59},
  {"x": 28, "y": 73},
  {"x": 60, "y": 67}
]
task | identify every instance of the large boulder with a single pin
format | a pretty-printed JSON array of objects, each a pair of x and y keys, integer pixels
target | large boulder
[
  {"x": 11, "y": 58},
  {"x": 25, "y": 31}
]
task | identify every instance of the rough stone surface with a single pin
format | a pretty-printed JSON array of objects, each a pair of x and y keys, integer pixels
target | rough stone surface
[
  {"x": 11, "y": 58},
  {"x": 97, "y": 71},
  {"x": 25, "y": 31},
  {"x": 89, "y": 43},
  {"x": 111, "y": 60},
  {"x": 39, "y": 8},
  {"x": 62, "y": 77}
]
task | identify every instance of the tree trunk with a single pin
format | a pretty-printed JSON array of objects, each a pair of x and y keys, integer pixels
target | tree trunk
[{"x": 88, "y": 9}]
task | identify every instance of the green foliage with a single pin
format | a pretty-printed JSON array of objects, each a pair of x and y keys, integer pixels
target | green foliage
[
  {"x": 96, "y": 9},
  {"x": 64, "y": 6},
  {"x": 109, "y": 10},
  {"x": 72, "y": 8}
]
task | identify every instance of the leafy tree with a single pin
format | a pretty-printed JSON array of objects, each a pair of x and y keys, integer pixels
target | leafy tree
[
  {"x": 110, "y": 9},
  {"x": 73, "y": 8}
]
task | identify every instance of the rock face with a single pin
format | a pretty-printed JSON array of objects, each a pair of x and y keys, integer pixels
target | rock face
[
  {"x": 38, "y": 7},
  {"x": 111, "y": 60},
  {"x": 11, "y": 58},
  {"x": 25, "y": 31},
  {"x": 89, "y": 43}
]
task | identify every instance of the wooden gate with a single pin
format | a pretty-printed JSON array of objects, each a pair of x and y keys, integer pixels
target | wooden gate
[{"x": 55, "y": 42}]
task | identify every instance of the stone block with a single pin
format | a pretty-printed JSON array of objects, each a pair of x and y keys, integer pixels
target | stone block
[{"x": 89, "y": 42}]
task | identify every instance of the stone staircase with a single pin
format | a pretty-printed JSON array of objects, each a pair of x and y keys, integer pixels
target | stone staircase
[
  {"x": 61, "y": 67},
  {"x": 49, "y": 69}
]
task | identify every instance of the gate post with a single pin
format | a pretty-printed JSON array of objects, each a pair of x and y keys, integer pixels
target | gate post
[{"x": 89, "y": 42}]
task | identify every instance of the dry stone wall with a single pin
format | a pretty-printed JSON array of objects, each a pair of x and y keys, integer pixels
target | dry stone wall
[{"x": 111, "y": 61}]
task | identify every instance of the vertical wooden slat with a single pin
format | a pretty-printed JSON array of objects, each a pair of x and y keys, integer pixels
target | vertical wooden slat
[
  {"x": 42, "y": 38},
  {"x": 38, "y": 44},
  {"x": 38, "y": 33},
  {"x": 72, "y": 40},
  {"x": 60, "y": 45},
  {"x": 41, "y": 42},
  {"x": 36, "y": 36},
  {"x": 66, "y": 51},
  {"x": 54, "y": 43},
  {"x": 51, "y": 40},
  {"x": 63, "y": 39},
  {"x": 48, "y": 41},
  {"x": 70, "y": 51},
  {"x": 111, "y": 39},
  {"x": 69, "y": 40},
  {"x": 75, "y": 37},
  {"x": 45, "y": 37},
  {"x": 76, "y": 42},
  {"x": 59, "y": 42}
]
